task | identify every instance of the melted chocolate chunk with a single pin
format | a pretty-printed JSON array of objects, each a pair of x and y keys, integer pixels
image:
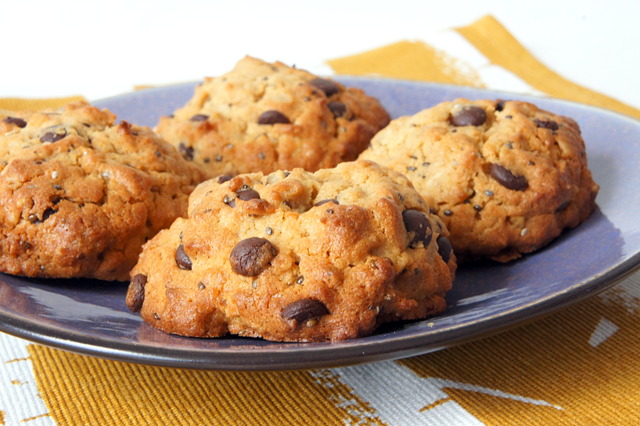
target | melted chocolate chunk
[
  {"x": 304, "y": 309},
  {"x": 228, "y": 200},
  {"x": 182, "y": 259},
  {"x": 199, "y": 117},
  {"x": 329, "y": 87},
  {"x": 273, "y": 117},
  {"x": 417, "y": 223},
  {"x": 508, "y": 179},
  {"x": 17, "y": 121},
  {"x": 444, "y": 248},
  {"x": 135, "y": 294},
  {"x": 500, "y": 106},
  {"x": 54, "y": 136},
  {"x": 224, "y": 178},
  {"x": 248, "y": 194},
  {"x": 252, "y": 256},
  {"x": 469, "y": 116},
  {"x": 186, "y": 151},
  {"x": 331, "y": 200},
  {"x": 337, "y": 108},
  {"x": 547, "y": 124}
]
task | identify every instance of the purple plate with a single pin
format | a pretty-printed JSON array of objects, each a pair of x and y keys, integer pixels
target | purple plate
[{"x": 90, "y": 317}]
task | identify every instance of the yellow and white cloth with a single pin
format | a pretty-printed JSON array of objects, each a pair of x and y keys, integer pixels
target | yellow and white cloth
[{"x": 580, "y": 366}]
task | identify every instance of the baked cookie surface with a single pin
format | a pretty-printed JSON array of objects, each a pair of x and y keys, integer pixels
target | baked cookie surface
[
  {"x": 505, "y": 177},
  {"x": 80, "y": 195},
  {"x": 263, "y": 117},
  {"x": 296, "y": 257}
]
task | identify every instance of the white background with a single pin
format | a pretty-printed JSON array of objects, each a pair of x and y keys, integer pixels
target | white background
[{"x": 101, "y": 49}]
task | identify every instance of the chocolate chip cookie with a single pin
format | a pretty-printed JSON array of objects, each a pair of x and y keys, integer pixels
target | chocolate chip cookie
[
  {"x": 505, "y": 177},
  {"x": 80, "y": 195},
  {"x": 296, "y": 256},
  {"x": 267, "y": 117}
]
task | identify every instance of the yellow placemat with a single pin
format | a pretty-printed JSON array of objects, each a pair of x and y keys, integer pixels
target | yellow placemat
[
  {"x": 16, "y": 104},
  {"x": 576, "y": 367}
]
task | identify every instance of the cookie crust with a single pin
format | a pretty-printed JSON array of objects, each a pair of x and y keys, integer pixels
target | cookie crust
[
  {"x": 505, "y": 177},
  {"x": 308, "y": 257},
  {"x": 263, "y": 117},
  {"x": 80, "y": 195}
]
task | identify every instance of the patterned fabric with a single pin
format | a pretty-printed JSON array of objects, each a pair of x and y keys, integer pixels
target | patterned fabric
[{"x": 577, "y": 367}]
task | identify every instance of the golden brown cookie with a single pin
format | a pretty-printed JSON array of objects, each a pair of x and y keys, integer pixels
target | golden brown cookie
[
  {"x": 79, "y": 195},
  {"x": 264, "y": 117},
  {"x": 296, "y": 257},
  {"x": 505, "y": 177}
]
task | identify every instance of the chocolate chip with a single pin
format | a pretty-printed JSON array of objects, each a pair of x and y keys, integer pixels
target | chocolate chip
[
  {"x": 500, "y": 106},
  {"x": 508, "y": 117},
  {"x": 477, "y": 208},
  {"x": 417, "y": 223},
  {"x": 201, "y": 286},
  {"x": 300, "y": 280},
  {"x": 228, "y": 200},
  {"x": 444, "y": 248},
  {"x": 261, "y": 156},
  {"x": 17, "y": 121},
  {"x": 337, "y": 108},
  {"x": 269, "y": 231},
  {"x": 248, "y": 194},
  {"x": 224, "y": 178},
  {"x": 183, "y": 261},
  {"x": 206, "y": 160},
  {"x": 199, "y": 117},
  {"x": 508, "y": 179},
  {"x": 563, "y": 206},
  {"x": 327, "y": 86},
  {"x": 186, "y": 151},
  {"x": 272, "y": 117},
  {"x": 448, "y": 212},
  {"x": 218, "y": 158},
  {"x": 547, "y": 124},
  {"x": 411, "y": 169},
  {"x": 304, "y": 309},
  {"x": 331, "y": 200},
  {"x": 469, "y": 116},
  {"x": 135, "y": 293},
  {"x": 488, "y": 193},
  {"x": 252, "y": 256},
  {"x": 55, "y": 136}
]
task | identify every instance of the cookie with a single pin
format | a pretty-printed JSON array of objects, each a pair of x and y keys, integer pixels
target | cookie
[
  {"x": 505, "y": 177},
  {"x": 264, "y": 117},
  {"x": 296, "y": 256},
  {"x": 80, "y": 195}
]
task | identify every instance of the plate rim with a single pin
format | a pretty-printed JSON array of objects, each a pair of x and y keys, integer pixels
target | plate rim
[{"x": 314, "y": 356}]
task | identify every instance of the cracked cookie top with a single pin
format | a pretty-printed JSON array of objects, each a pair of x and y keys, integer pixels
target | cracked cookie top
[
  {"x": 505, "y": 177},
  {"x": 267, "y": 117},
  {"x": 79, "y": 194},
  {"x": 296, "y": 256}
]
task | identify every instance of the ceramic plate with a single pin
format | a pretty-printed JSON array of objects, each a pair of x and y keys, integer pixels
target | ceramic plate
[{"x": 90, "y": 317}]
